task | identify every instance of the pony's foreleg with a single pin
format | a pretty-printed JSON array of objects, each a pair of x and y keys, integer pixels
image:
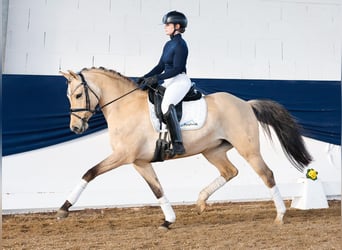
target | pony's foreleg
[
  {"x": 63, "y": 212},
  {"x": 147, "y": 172},
  {"x": 169, "y": 214},
  {"x": 104, "y": 166}
]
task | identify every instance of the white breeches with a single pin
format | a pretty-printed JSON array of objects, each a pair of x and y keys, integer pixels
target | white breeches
[{"x": 176, "y": 89}]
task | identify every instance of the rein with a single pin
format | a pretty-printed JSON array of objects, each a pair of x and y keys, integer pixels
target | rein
[
  {"x": 97, "y": 108},
  {"x": 118, "y": 98}
]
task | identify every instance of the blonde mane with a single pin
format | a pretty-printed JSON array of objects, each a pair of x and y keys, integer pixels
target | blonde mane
[{"x": 109, "y": 72}]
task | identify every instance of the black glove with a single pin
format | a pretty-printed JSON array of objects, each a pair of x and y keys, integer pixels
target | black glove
[
  {"x": 140, "y": 80},
  {"x": 152, "y": 81},
  {"x": 149, "y": 82}
]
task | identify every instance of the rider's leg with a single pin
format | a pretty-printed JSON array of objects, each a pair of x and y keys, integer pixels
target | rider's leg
[
  {"x": 175, "y": 132},
  {"x": 176, "y": 89}
]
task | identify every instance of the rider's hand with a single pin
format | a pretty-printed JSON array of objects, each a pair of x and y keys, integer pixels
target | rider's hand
[
  {"x": 140, "y": 80},
  {"x": 149, "y": 82}
]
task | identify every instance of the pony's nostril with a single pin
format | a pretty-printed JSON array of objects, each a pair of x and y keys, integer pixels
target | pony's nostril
[{"x": 75, "y": 129}]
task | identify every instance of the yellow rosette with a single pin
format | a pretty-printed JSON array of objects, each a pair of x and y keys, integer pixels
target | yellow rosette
[{"x": 311, "y": 174}]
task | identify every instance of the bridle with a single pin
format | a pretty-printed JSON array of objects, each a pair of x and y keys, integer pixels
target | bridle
[{"x": 87, "y": 108}]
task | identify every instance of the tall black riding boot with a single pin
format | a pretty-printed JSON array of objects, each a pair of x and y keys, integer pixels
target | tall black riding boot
[{"x": 175, "y": 131}]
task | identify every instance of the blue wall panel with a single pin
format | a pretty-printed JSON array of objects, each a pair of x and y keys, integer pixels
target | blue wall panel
[{"x": 36, "y": 109}]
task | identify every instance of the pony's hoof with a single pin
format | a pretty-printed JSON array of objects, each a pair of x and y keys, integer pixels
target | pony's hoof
[
  {"x": 61, "y": 214},
  {"x": 201, "y": 206},
  {"x": 279, "y": 219},
  {"x": 278, "y": 222},
  {"x": 165, "y": 226}
]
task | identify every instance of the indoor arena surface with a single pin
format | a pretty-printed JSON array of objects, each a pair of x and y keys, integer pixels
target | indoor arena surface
[{"x": 221, "y": 226}]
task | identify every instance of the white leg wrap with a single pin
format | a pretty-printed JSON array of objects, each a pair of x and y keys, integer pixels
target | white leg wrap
[
  {"x": 165, "y": 205},
  {"x": 278, "y": 201},
  {"x": 209, "y": 190},
  {"x": 75, "y": 194}
]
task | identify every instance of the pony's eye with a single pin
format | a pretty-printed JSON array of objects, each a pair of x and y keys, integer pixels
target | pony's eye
[{"x": 78, "y": 95}]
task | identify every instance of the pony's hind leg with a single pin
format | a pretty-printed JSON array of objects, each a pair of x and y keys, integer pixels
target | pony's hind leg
[
  {"x": 260, "y": 167},
  {"x": 146, "y": 171},
  {"x": 218, "y": 157}
]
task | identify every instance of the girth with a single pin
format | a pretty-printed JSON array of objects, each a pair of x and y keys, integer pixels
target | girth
[{"x": 156, "y": 97}]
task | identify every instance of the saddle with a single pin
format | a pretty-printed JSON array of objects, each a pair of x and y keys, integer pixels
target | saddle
[
  {"x": 163, "y": 145},
  {"x": 156, "y": 97}
]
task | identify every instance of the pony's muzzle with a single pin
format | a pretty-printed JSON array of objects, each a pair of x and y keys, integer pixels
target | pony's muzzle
[
  {"x": 76, "y": 130},
  {"x": 79, "y": 129},
  {"x": 78, "y": 125}
]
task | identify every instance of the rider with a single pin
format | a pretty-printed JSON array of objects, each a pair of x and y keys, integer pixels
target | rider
[{"x": 171, "y": 73}]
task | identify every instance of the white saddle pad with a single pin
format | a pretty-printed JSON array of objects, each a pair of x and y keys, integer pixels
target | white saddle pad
[{"x": 194, "y": 115}]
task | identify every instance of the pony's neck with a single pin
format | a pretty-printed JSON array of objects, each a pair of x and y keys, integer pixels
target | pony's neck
[{"x": 113, "y": 89}]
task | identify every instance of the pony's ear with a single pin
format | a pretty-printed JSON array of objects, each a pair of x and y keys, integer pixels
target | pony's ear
[
  {"x": 73, "y": 74},
  {"x": 69, "y": 76},
  {"x": 66, "y": 75}
]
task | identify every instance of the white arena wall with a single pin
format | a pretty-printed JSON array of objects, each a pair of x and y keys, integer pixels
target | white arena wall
[
  {"x": 263, "y": 39},
  {"x": 241, "y": 39}
]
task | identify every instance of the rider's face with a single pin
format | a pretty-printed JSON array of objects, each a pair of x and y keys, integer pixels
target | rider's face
[{"x": 169, "y": 28}]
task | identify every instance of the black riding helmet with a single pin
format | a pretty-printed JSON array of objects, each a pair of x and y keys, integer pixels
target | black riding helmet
[{"x": 176, "y": 17}]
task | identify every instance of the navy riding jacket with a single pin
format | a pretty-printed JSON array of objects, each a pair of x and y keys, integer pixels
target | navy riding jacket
[{"x": 173, "y": 60}]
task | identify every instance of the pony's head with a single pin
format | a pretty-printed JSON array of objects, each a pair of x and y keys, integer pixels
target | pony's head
[{"x": 83, "y": 101}]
